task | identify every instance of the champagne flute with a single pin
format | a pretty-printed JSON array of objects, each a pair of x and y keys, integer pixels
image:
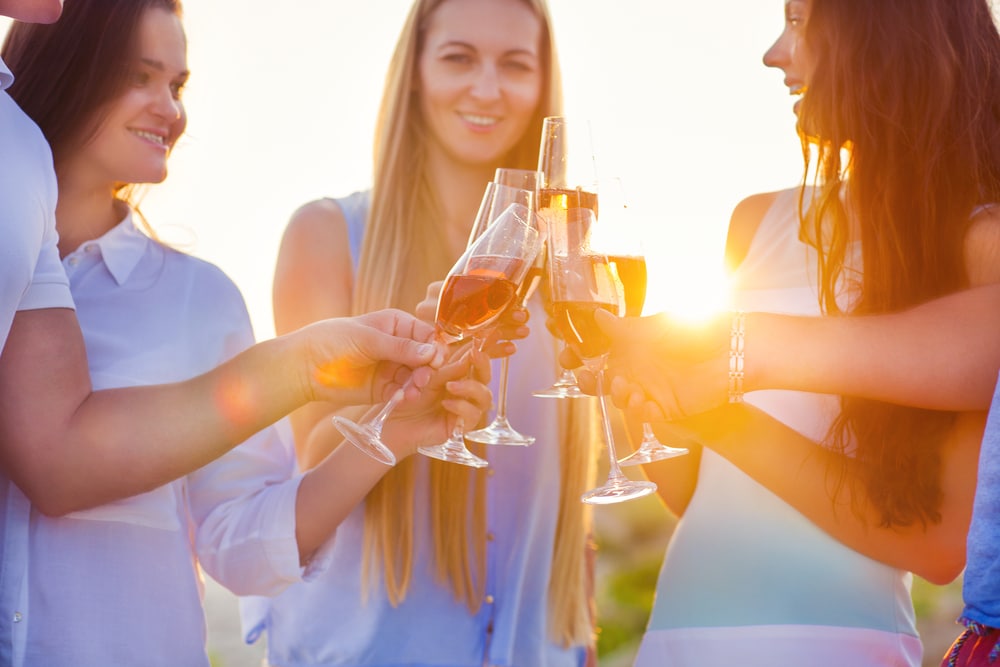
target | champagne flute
[
  {"x": 582, "y": 282},
  {"x": 621, "y": 240},
  {"x": 479, "y": 287},
  {"x": 566, "y": 162},
  {"x": 510, "y": 185}
]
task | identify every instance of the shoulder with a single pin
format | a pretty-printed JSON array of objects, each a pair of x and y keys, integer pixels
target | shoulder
[
  {"x": 319, "y": 225},
  {"x": 743, "y": 224},
  {"x": 982, "y": 246}
]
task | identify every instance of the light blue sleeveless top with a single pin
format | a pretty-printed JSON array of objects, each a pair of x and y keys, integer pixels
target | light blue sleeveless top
[
  {"x": 325, "y": 622},
  {"x": 749, "y": 580}
]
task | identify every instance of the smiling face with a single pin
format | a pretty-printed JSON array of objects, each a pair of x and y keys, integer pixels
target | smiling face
[
  {"x": 479, "y": 77},
  {"x": 789, "y": 52},
  {"x": 138, "y": 128}
]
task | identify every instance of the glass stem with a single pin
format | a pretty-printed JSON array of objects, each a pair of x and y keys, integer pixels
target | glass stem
[
  {"x": 647, "y": 431},
  {"x": 458, "y": 432},
  {"x": 502, "y": 390},
  {"x": 378, "y": 421},
  {"x": 614, "y": 470}
]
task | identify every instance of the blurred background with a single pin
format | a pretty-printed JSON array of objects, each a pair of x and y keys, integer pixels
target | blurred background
[{"x": 282, "y": 102}]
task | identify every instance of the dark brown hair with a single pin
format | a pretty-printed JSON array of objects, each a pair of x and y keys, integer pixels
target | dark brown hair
[
  {"x": 911, "y": 88},
  {"x": 66, "y": 71}
]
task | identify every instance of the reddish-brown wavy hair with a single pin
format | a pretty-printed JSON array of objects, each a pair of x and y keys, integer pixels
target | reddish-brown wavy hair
[{"x": 902, "y": 118}]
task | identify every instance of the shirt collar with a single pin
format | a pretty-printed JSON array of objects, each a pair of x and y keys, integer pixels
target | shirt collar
[
  {"x": 122, "y": 248},
  {"x": 6, "y": 77}
]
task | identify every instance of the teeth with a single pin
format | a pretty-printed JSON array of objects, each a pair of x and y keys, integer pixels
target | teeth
[
  {"x": 148, "y": 135},
  {"x": 485, "y": 121},
  {"x": 797, "y": 90}
]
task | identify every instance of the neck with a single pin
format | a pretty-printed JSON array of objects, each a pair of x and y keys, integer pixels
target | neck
[
  {"x": 459, "y": 190},
  {"x": 84, "y": 212}
]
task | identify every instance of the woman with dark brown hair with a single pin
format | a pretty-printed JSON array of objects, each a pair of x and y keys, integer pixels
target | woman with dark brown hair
[
  {"x": 118, "y": 583},
  {"x": 811, "y": 502}
]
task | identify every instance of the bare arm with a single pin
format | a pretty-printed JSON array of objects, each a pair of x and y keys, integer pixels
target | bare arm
[
  {"x": 941, "y": 355},
  {"x": 800, "y": 472},
  {"x": 352, "y": 473},
  {"x": 70, "y": 448}
]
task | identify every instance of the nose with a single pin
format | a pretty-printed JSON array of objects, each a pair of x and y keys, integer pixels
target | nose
[
  {"x": 166, "y": 105},
  {"x": 487, "y": 82},
  {"x": 777, "y": 54}
]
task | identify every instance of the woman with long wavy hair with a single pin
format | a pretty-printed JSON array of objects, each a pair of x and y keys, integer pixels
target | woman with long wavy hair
[
  {"x": 443, "y": 564},
  {"x": 812, "y": 502}
]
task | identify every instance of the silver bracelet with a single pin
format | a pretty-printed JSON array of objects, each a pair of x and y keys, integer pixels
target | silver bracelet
[{"x": 737, "y": 339}]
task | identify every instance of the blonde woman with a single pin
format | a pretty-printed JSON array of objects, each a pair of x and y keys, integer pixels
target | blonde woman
[{"x": 443, "y": 564}]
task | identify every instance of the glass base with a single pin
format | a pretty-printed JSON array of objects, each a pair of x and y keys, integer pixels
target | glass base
[
  {"x": 651, "y": 451},
  {"x": 454, "y": 451},
  {"x": 500, "y": 432},
  {"x": 365, "y": 438},
  {"x": 618, "y": 491},
  {"x": 560, "y": 391}
]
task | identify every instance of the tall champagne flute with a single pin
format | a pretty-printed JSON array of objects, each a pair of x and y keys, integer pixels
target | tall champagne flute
[
  {"x": 620, "y": 238},
  {"x": 569, "y": 179},
  {"x": 582, "y": 281},
  {"x": 479, "y": 287},
  {"x": 510, "y": 185}
]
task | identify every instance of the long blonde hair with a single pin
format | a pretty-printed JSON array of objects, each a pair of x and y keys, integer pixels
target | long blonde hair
[{"x": 403, "y": 251}]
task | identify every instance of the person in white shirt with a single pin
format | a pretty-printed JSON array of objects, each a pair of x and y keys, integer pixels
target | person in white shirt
[
  {"x": 117, "y": 584},
  {"x": 68, "y": 447}
]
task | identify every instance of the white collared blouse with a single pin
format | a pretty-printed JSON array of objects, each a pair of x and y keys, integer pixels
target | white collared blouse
[{"x": 119, "y": 584}]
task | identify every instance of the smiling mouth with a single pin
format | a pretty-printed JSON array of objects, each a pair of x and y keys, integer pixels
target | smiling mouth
[
  {"x": 481, "y": 121},
  {"x": 150, "y": 136}
]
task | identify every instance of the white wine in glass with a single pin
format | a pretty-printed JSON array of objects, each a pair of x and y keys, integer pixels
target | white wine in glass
[{"x": 569, "y": 178}]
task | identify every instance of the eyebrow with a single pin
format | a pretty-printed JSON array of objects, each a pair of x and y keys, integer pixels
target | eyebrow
[
  {"x": 158, "y": 66},
  {"x": 466, "y": 45}
]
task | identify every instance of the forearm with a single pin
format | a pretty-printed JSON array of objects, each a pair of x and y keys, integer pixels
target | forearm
[
  {"x": 121, "y": 442},
  {"x": 941, "y": 355},
  {"x": 805, "y": 475},
  {"x": 329, "y": 492}
]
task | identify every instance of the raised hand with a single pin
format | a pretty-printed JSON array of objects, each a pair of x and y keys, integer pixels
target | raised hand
[
  {"x": 365, "y": 359},
  {"x": 456, "y": 390},
  {"x": 674, "y": 367},
  {"x": 511, "y": 326}
]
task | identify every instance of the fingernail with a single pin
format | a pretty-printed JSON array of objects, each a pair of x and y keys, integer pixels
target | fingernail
[
  {"x": 519, "y": 316},
  {"x": 425, "y": 349}
]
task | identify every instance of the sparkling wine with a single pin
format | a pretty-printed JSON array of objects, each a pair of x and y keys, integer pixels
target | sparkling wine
[
  {"x": 576, "y": 324},
  {"x": 632, "y": 273},
  {"x": 556, "y": 200}
]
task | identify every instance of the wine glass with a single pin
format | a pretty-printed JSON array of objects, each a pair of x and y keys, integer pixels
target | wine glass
[
  {"x": 582, "y": 281},
  {"x": 510, "y": 185},
  {"x": 478, "y": 288},
  {"x": 569, "y": 175},
  {"x": 619, "y": 237}
]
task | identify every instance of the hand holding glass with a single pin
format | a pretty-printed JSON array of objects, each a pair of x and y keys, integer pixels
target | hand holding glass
[{"x": 479, "y": 287}]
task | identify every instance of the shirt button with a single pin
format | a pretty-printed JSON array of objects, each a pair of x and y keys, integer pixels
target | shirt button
[
  {"x": 490, "y": 472},
  {"x": 73, "y": 261},
  {"x": 489, "y": 599},
  {"x": 17, "y": 617},
  {"x": 490, "y": 537},
  {"x": 90, "y": 247}
]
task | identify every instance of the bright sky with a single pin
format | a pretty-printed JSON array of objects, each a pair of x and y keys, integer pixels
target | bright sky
[{"x": 283, "y": 96}]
